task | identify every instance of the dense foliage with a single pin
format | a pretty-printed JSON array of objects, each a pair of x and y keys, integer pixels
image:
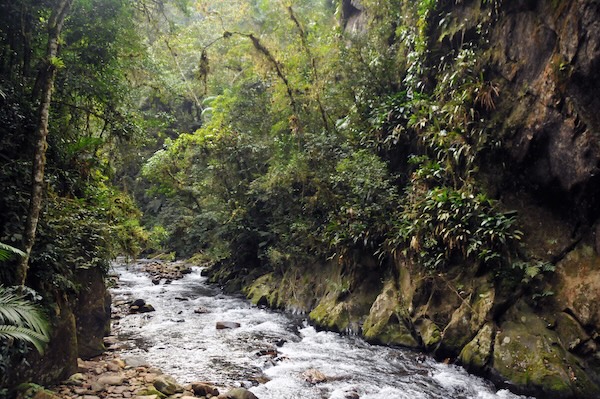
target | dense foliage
[
  {"x": 259, "y": 134},
  {"x": 85, "y": 219},
  {"x": 317, "y": 140}
]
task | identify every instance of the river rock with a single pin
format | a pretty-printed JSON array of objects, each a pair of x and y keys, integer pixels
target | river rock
[
  {"x": 135, "y": 361},
  {"x": 204, "y": 389},
  {"x": 238, "y": 393},
  {"x": 201, "y": 310},
  {"x": 272, "y": 352},
  {"x": 167, "y": 385},
  {"x": 314, "y": 376},
  {"x": 221, "y": 325},
  {"x": 111, "y": 380},
  {"x": 96, "y": 387},
  {"x": 76, "y": 379},
  {"x": 138, "y": 302},
  {"x": 141, "y": 309}
]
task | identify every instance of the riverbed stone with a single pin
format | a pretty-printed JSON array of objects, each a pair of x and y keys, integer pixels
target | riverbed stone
[
  {"x": 77, "y": 379},
  {"x": 151, "y": 391},
  {"x": 135, "y": 361},
  {"x": 314, "y": 376},
  {"x": 204, "y": 389},
  {"x": 222, "y": 325},
  {"x": 167, "y": 385},
  {"x": 111, "y": 380},
  {"x": 238, "y": 393}
]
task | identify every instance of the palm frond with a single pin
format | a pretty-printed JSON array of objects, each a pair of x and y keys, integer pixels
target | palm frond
[
  {"x": 22, "y": 320},
  {"x": 16, "y": 310},
  {"x": 7, "y": 251},
  {"x": 24, "y": 334}
]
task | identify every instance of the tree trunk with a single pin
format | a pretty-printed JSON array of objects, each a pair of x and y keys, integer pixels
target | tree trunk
[{"x": 48, "y": 73}]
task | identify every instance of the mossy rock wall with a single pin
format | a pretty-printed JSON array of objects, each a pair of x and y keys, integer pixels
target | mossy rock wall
[{"x": 458, "y": 316}]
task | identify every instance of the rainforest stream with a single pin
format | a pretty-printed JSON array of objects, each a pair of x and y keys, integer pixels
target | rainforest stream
[{"x": 272, "y": 352}]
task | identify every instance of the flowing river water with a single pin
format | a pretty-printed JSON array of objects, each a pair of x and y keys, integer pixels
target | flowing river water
[{"x": 187, "y": 345}]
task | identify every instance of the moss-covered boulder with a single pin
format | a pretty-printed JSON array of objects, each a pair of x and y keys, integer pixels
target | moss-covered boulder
[
  {"x": 331, "y": 314},
  {"x": 261, "y": 291},
  {"x": 430, "y": 333},
  {"x": 476, "y": 355},
  {"x": 388, "y": 321},
  {"x": 572, "y": 335},
  {"x": 468, "y": 319},
  {"x": 92, "y": 312},
  {"x": 530, "y": 356},
  {"x": 578, "y": 285},
  {"x": 60, "y": 357}
]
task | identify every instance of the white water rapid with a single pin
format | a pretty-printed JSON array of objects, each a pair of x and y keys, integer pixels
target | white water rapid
[{"x": 187, "y": 345}]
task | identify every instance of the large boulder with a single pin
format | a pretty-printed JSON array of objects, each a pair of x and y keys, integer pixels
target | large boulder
[
  {"x": 167, "y": 385},
  {"x": 529, "y": 355},
  {"x": 388, "y": 322},
  {"x": 92, "y": 313}
]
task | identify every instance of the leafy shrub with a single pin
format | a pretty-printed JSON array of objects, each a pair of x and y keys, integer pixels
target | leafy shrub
[
  {"x": 365, "y": 201},
  {"x": 442, "y": 223}
]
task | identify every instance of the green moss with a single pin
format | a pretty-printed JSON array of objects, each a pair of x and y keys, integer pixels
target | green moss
[
  {"x": 151, "y": 391},
  {"x": 531, "y": 356},
  {"x": 386, "y": 321},
  {"x": 34, "y": 391},
  {"x": 261, "y": 291},
  {"x": 331, "y": 315},
  {"x": 430, "y": 333},
  {"x": 476, "y": 354},
  {"x": 393, "y": 334}
]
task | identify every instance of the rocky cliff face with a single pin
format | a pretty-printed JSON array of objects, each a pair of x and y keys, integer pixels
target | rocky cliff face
[
  {"x": 547, "y": 56},
  {"x": 544, "y": 57}
]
